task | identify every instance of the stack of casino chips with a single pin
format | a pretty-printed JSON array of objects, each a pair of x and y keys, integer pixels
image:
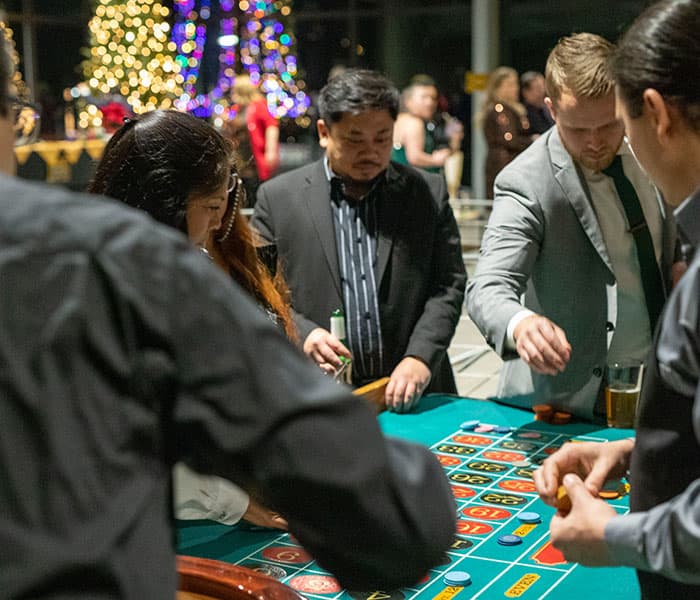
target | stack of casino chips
[{"x": 547, "y": 414}]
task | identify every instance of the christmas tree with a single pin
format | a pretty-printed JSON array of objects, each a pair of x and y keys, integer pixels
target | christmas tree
[
  {"x": 251, "y": 37},
  {"x": 131, "y": 55}
]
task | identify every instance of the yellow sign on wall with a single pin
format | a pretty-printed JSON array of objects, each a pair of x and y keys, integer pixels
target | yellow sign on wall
[{"x": 475, "y": 82}]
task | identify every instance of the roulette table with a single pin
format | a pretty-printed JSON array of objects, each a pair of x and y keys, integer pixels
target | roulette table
[{"x": 489, "y": 468}]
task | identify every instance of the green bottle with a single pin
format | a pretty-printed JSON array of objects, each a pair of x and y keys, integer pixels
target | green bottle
[{"x": 338, "y": 329}]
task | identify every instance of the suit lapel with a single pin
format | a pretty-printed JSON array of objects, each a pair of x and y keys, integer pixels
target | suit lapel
[
  {"x": 574, "y": 187},
  {"x": 388, "y": 216},
  {"x": 318, "y": 203}
]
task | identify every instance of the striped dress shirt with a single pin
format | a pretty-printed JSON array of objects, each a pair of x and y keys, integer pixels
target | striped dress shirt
[{"x": 355, "y": 223}]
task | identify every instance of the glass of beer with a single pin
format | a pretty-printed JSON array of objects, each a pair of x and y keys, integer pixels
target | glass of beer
[{"x": 622, "y": 393}]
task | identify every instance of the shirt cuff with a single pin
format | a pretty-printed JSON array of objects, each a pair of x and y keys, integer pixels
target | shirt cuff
[
  {"x": 513, "y": 323},
  {"x": 624, "y": 535}
]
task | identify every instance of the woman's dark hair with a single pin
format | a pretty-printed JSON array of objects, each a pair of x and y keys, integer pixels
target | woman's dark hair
[
  {"x": 661, "y": 50},
  {"x": 355, "y": 91},
  {"x": 156, "y": 162},
  {"x": 159, "y": 161}
]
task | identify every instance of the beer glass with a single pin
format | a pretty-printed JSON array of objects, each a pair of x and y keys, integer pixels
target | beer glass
[{"x": 624, "y": 382}]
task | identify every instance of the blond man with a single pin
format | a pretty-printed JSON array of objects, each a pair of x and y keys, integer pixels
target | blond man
[{"x": 564, "y": 285}]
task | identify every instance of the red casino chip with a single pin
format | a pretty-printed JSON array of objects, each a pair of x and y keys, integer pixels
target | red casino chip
[{"x": 315, "y": 584}]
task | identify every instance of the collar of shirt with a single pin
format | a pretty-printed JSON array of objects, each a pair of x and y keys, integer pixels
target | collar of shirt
[
  {"x": 331, "y": 176},
  {"x": 688, "y": 219}
]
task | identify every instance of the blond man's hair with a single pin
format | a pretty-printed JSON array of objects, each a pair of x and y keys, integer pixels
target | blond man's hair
[{"x": 578, "y": 64}]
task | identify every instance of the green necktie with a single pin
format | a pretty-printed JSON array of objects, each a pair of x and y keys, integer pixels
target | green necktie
[{"x": 648, "y": 267}]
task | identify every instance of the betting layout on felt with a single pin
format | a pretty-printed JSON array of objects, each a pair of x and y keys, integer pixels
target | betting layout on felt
[{"x": 502, "y": 541}]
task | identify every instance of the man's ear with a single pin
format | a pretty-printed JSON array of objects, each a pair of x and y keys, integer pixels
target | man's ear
[
  {"x": 323, "y": 133},
  {"x": 661, "y": 115},
  {"x": 550, "y": 107}
]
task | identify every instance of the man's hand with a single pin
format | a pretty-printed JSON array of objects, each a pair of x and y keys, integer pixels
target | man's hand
[
  {"x": 325, "y": 349},
  {"x": 408, "y": 380},
  {"x": 257, "y": 514},
  {"x": 591, "y": 461},
  {"x": 542, "y": 345},
  {"x": 580, "y": 535}
]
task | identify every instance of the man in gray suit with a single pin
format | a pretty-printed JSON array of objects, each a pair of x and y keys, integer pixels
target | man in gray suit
[
  {"x": 573, "y": 272},
  {"x": 377, "y": 239}
]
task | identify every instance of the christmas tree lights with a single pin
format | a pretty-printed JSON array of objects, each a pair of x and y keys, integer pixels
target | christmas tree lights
[
  {"x": 253, "y": 39},
  {"x": 132, "y": 55}
]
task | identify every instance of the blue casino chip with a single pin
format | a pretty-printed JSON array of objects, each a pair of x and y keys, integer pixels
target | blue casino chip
[
  {"x": 502, "y": 429},
  {"x": 529, "y": 517},
  {"x": 468, "y": 425},
  {"x": 460, "y": 578},
  {"x": 509, "y": 540}
]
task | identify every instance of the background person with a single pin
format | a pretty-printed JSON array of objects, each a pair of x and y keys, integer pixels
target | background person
[
  {"x": 255, "y": 134},
  {"x": 504, "y": 123},
  {"x": 659, "y": 102},
  {"x": 415, "y": 135},
  {"x": 560, "y": 238},
  {"x": 533, "y": 92}
]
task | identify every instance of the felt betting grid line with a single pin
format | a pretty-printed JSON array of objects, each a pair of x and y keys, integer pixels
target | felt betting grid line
[{"x": 489, "y": 493}]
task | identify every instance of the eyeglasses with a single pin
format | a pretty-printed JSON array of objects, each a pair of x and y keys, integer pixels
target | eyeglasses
[{"x": 25, "y": 119}]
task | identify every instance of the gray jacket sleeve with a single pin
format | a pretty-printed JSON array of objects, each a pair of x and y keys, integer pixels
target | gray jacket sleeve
[
  {"x": 509, "y": 249},
  {"x": 666, "y": 539},
  {"x": 377, "y": 513}
]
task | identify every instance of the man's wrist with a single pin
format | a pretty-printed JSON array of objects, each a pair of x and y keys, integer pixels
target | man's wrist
[{"x": 513, "y": 323}]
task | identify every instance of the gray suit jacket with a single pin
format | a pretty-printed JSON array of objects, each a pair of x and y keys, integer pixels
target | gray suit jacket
[
  {"x": 419, "y": 260},
  {"x": 543, "y": 242}
]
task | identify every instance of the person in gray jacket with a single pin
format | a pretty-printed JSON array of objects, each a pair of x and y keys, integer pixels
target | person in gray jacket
[
  {"x": 655, "y": 70},
  {"x": 570, "y": 276}
]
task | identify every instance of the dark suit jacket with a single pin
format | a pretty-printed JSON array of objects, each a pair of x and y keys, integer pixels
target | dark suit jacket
[{"x": 419, "y": 260}]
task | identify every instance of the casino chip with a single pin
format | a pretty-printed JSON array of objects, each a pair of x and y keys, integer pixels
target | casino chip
[
  {"x": 509, "y": 540},
  {"x": 469, "y": 425},
  {"x": 484, "y": 428},
  {"x": 502, "y": 429},
  {"x": 458, "y": 578},
  {"x": 521, "y": 463},
  {"x": 561, "y": 418},
  {"x": 529, "y": 517}
]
